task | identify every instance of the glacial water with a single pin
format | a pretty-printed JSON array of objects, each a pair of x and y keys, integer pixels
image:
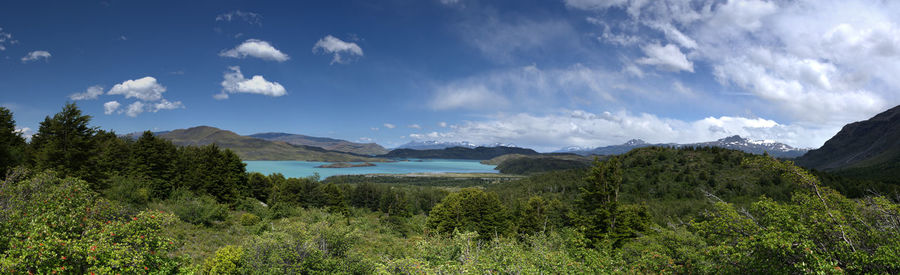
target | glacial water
[{"x": 308, "y": 168}]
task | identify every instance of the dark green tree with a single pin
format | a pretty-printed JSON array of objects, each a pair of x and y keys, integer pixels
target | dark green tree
[
  {"x": 65, "y": 143},
  {"x": 470, "y": 209},
  {"x": 334, "y": 199},
  {"x": 600, "y": 215},
  {"x": 154, "y": 159},
  {"x": 259, "y": 187},
  {"x": 11, "y": 142}
]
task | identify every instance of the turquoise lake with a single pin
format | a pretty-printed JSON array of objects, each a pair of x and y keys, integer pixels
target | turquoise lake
[{"x": 308, "y": 168}]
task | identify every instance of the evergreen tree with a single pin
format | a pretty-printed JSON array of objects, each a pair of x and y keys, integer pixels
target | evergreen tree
[
  {"x": 600, "y": 215},
  {"x": 470, "y": 209},
  {"x": 11, "y": 142},
  {"x": 154, "y": 159},
  {"x": 65, "y": 143}
]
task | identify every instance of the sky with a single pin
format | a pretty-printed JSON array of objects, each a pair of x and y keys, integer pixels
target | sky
[{"x": 540, "y": 74}]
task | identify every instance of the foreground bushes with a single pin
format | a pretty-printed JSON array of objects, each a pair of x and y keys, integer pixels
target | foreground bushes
[{"x": 50, "y": 225}]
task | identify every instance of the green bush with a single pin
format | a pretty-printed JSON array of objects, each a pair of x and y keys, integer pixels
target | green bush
[
  {"x": 131, "y": 190},
  {"x": 195, "y": 209},
  {"x": 51, "y": 225},
  {"x": 248, "y": 219},
  {"x": 470, "y": 209},
  {"x": 226, "y": 261}
]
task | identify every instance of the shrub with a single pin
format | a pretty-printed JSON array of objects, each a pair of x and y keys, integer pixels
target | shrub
[
  {"x": 132, "y": 190},
  {"x": 226, "y": 261},
  {"x": 248, "y": 219},
  {"x": 197, "y": 209},
  {"x": 51, "y": 225}
]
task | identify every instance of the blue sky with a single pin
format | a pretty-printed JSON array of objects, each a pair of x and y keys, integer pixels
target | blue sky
[{"x": 541, "y": 74}]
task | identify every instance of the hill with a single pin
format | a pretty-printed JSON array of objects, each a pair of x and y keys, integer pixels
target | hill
[
  {"x": 532, "y": 164},
  {"x": 477, "y": 153},
  {"x": 868, "y": 150},
  {"x": 249, "y": 148},
  {"x": 368, "y": 149},
  {"x": 859, "y": 144}
]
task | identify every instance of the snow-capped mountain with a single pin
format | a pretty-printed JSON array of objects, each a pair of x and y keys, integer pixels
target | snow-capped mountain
[
  {"x": 758, "y": 147},
  {"x": 431, "y": 144},
  {"x": 774, "y": 148}
]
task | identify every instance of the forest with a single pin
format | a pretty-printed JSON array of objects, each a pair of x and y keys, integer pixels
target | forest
[{"x": 80, "y": 200}]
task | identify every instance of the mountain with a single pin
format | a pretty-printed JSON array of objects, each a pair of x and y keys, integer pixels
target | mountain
[
  {"x": 369, "y": 149},
  {"x": 249, "y": 148},
  {"x": 433, "y": 145},
  {"x": 872, "y": 145},
  {"x": 774, "y": 148},
  {"x": 478, "y": 153}
]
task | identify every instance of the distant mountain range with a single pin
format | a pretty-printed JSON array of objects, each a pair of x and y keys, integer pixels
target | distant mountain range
[
  {"x": 774, "y": 148},
  {"x": 477, "y": 153},
  {"x": 868, "y": 149},
  {"x": 251, "y": 148},
  {"x": 432, "y": 145},
  {"x": 332, "y": 144}
]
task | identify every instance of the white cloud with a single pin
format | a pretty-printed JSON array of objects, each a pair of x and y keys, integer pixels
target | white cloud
[
  {"x": 135, "y": 109},
  {"x": 146, "y": 88},
  {"x": 375, "y": 128},
  {"x": 92, "y": 93},
  {"x": 236, "y": 83},
  {"x": 6, "y": 38},
  {"x": 823, "y": 61},
  {"x": 467, "y": 97},
  {"x": 35, "y": 55},
  {"x": 166, "y": 105},
  {"x": 249, "y": 17},
  {"x": 110, "y": 107},
  {"x": 581, "y": 128},
  {"x": 442, "y": 124},
  {"x": 667, "y": 57},
  {"x": 365, "y": 139},
  {"x": 390, "y": 126},
  {"x": 415, "y": 126},
  {"x": 339, "y": 48},
  {"x": 256, "y": 48},
  {"x": 528, "y": 87},
  {"x": 25, "y": 132}
]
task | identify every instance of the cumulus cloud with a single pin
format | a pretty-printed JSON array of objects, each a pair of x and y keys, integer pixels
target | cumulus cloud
[
  {"x": 415, "y": 126},
  {"x": 256, "y": 48},
  {"x": 36, "y": 55},
  {"x": 166, "y": 105},
  {"x": 146, "y": 88},
  {"x": 442, "y": 124},
  {"x": 341, "y": 50},
  {"x": 825, "y": 62},
  {"x": 135, "y": 109},
  {"x": 667, "y": 57},
  {"x": 25, "y": 132},
  {"x": 91, "y": 93},
  {"x": 390, "y": 126},
  {"x": 582, "y": 128},
  {"x": 110, "y": 107},
  {"x": 236, "y": 83},
  {"x": 248, "y": 17}
]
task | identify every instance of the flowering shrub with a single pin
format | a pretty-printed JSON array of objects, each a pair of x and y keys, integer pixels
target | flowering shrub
[{"x": 50, "y": 225}]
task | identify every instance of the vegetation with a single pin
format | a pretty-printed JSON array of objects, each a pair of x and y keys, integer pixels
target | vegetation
[
  {"x": 366, "y": 149},
  {"x": 81, "y": 200}
]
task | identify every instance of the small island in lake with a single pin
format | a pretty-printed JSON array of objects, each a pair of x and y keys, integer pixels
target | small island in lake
[{"x": 345, "y": 165}]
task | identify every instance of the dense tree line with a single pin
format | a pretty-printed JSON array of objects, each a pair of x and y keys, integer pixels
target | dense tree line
[{"x": 67, "y": 144}]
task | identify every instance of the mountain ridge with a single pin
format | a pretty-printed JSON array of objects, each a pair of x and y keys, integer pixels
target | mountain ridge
[
  {"x": 735, "y": 142},
  {"x": 250, "y": 148}
]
